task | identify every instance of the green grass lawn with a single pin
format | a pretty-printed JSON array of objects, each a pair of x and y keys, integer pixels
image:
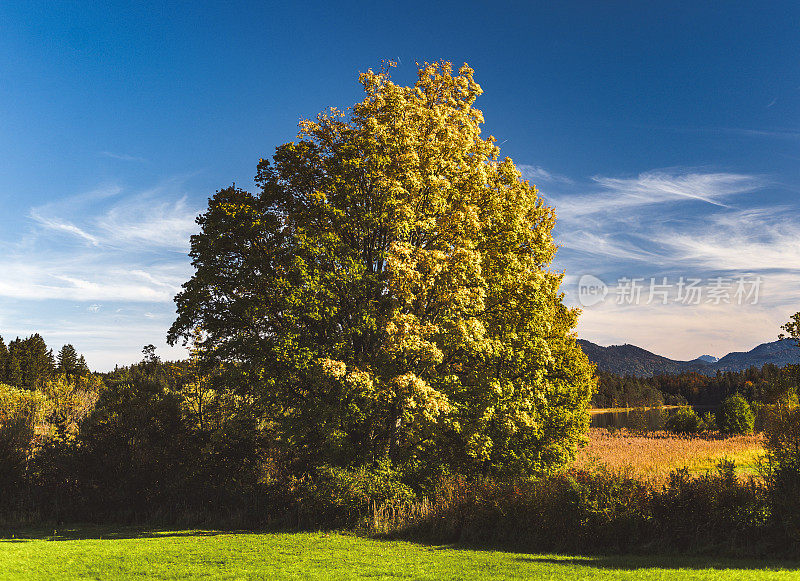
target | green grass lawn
[{"x": 133, "y": 554}]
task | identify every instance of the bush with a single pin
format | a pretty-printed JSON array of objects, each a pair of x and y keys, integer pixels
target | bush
[
  {"x": 709, "y": 422},
  {"x": 133, "y": 452},
  {"x": 70, "y": 400},
  {"x": 572, "y": 511},
  {"x": 714, "y": 511},
  {"x": 344, "y": 497},
  {"x": 684, "y": 421},
  {"x": 20, "y": 411},
  {"x": 783, "y": 468},
  {"x": 584, "y": 511},
  {"x": 734, "y": 416}
]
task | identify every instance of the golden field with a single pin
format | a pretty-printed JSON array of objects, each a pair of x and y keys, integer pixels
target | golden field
[{"x": 653, "y": 455}]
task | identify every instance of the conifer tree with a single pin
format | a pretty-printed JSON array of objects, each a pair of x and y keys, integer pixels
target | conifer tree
[{"x": 67, "y": 360}]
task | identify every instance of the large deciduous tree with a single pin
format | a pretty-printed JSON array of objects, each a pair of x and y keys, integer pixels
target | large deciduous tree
[{"x": 387, "y": 294}]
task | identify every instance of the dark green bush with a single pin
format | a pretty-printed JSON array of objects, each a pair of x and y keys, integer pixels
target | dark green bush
[
  {"x": 783, "y": 468},
  {"x": 575, "y": 511},
  {"x": 684, "y": 421},
  {"x": 582, "y": 511},
  {"x": 139, "y": 457},
  {"x": 709, "y": 422},
  {"x": 734, "y": 416},
  {"x": 345, "y": 497},
  {"x": 711, "y": 512}
]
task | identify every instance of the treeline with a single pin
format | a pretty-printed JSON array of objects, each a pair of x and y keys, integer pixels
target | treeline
[
  {"x": 153, "y": 441},
  {"x": 30, "y": 363},
  {"x": 164, "y": 443},
  {"x": 766, "y": 385},
  {"x": 628, "y": 391}
]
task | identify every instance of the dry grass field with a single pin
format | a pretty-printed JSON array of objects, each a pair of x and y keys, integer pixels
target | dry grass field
[{"x": 654, "y": 455}]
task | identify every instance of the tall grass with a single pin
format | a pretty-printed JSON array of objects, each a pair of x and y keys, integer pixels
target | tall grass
[{"x": 654, "y": 455}]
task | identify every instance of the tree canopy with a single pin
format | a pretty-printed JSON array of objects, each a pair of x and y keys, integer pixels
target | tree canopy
[{"x": 387, "y": 293}]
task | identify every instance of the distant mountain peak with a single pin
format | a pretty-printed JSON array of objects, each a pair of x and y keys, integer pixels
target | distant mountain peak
[{"x": 632, "y": 360}]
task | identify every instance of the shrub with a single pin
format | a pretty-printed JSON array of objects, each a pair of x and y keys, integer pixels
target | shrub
[
  {"x": 684, "y": 421},
  {"x": 572, "y": 511},
  {"x": 20, "y": 411},
  {"x": 134, "y": 451},
  {"x": 708, "y": 421},
  {"x": 734, "y": 416},
  {"x": 70, "y": 400},
  {"x": 783, "y": 469},
  {"x": 343, "y": 497},
  {"x": 713, "y": 511}
]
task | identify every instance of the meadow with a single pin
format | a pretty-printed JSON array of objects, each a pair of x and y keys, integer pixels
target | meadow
[
  {"x": 653, "y": 455},
  {"x": 103, "y": 553}
]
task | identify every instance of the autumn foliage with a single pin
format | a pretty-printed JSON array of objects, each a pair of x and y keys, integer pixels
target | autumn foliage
[{"x": 387, "y": 295}]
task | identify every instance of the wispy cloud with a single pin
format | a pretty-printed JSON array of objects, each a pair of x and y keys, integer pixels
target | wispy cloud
[
  {"x": 766, "y": 133},
  {"x": 655, "y": 188},
  {"x": 607, "y": 245},
  {"x": 148, "y": 222},
  {"x": 658, "y": 187},
  {"x": 537, "y": 173},
  {"x": 58, "y": 226},
  {"x": 122, "y": 156},
  {"x": 683, "y": 332},
  {"x": 681, "y": 223},
  {"x": 118, "y": 256},
  {"x": 762, "y": 238}
]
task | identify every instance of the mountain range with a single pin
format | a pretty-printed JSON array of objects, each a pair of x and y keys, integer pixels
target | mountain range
[{"x": 632, "y": 360}]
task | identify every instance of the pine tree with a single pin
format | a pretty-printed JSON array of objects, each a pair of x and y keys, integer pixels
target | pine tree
[
  {"x": 68, "y": 360},
  {"x": 31, "y": 363},
  {"x": 4, "y": 362},
  {"x": 83, "y": 369}
]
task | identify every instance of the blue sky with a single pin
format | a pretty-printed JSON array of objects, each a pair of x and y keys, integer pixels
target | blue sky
[{"x": 666, "y": 137}]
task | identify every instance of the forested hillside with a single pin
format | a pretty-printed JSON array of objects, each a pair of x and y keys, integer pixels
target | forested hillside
[{"x": 763, "y": 384}]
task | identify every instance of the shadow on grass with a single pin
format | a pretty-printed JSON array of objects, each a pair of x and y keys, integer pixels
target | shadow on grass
[
  {"x": 671, "y": 562},
  {"x": 91, "y": 532},
  {"x": 655, "y": 559}
]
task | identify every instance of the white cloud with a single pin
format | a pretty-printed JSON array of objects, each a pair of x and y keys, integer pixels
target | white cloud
[
  {"x": 146, "y": 222},
  {"x": 654, "y": 188},
  {"x": 605, "y": 244},
  {"x": 122, "y": 156},
  {"x": 740, "y": 240},
  {"x": 683, "y": 332},
  {"x": 106, "y": 339},
  {"x": 681, "y": 223},
  {"x": 66, "y": 227},
  {"x": 100, "y": 270},
  {"x": 537, "y": 174}
]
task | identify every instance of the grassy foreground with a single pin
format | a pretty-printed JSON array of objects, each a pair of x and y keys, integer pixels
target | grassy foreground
[{"x": 132, "y": 554}]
